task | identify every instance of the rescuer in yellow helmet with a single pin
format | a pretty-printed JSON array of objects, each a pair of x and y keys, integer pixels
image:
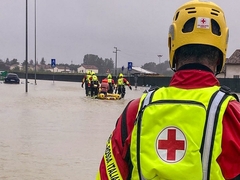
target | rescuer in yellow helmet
[
  {"x": 94, "y": 85},
  {"x": 86, "y": 81},
  {"x": 200, "y": 30},
  {"x": 111, "y": 83},
  {"x": 121, "y": 82},
  {"x": 189, "y": 129}
]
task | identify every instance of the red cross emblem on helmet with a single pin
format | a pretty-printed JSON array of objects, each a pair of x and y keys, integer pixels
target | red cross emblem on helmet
[
  {"x": 171, "y": 144},
  {"x": 203, "y": 22}
]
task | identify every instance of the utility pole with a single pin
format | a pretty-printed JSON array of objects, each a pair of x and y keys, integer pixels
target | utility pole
[
  {"x": 26, "y": 66},
  {"x": 35, "y": 31},
  {"x": 116, "y": 50},
  {"x": 159, "y": 55}
]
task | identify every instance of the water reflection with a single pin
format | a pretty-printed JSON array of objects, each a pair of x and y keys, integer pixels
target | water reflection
[{"x": 54, "y": 132}]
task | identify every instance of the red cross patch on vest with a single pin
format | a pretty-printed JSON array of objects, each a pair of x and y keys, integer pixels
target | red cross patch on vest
[{"x": 171, "y": 144}]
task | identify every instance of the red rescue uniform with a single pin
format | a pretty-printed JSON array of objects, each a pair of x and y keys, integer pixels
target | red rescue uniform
[{"x": 228, "y": 160}]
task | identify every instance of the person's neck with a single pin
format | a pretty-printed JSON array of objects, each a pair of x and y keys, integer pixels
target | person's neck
[{"x": 196, "y": 66}]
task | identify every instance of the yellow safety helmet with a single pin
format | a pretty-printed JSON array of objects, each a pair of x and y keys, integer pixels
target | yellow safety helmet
[
  {"x": 203, "y": 15},
  {"x": 120, "y": 75},
  {"x": 109, "y": 76},
  {"x": 93, "y": 73}
]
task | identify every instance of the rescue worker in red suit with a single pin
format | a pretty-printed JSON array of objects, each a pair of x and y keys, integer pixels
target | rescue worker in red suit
[
  {"x": 190, "y": 129},
  {"x": 104, "y": 87},
  {"x": 105, "y": 80},
  {"x": 110, "y": 82},
  {"x": 121, "y": 82},
  {"x": 87, "y": 83}
]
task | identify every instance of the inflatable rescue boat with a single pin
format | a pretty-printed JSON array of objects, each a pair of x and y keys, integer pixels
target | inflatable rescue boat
[{"x": 109, "y": 96}]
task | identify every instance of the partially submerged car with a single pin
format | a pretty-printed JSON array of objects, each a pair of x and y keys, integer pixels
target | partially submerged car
[{"x": 12, "y": 78}]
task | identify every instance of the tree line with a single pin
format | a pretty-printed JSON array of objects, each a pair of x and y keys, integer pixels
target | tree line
[{"x": 103, "y": 65}]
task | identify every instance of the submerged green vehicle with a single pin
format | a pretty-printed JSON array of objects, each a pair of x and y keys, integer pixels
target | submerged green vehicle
[{"x": 3, "y": 74}]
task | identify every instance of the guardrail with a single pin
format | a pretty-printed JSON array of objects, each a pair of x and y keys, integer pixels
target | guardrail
[{"x": 232, "y": 83}]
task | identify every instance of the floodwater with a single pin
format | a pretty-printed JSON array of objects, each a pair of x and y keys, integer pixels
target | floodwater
[{"x": 54, "y": 132}]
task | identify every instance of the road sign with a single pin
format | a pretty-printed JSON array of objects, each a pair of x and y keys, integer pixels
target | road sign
[
  {"x": 53, "y": 63},
  {"x": 129, "y": 66}
]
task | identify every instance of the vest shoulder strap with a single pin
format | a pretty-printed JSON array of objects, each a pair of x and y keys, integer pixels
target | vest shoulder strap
[
  {"x": 211, "y": 126},
  {"x": 149, "y": 96},
  {"x": 228, "y": 91},
  {"x": 210, "y": 129}
]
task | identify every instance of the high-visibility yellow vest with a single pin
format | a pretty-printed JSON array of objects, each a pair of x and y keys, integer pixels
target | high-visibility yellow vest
[
  {"x": 120, "y": 81},
  {"x": 172, "y": 136},
  {"x": 88, "y": 78},
  {"x": 94, "y": 78}
]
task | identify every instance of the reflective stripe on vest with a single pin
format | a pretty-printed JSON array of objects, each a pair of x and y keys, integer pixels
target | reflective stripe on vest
[
  {"x": 209, "y": 134},
  {"x": 112, "y": 170}
]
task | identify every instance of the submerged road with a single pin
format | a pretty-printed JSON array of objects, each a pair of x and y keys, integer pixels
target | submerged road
[{"x": 54, "y": 132}]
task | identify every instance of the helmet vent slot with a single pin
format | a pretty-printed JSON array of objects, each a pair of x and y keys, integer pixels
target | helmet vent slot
[
  {"x": 189, "y": 25},
  {"x": 176, "y": 17},
  {"x": 215, "y": 28},
  {"x": 191, "y": 12},
  {"x": 191, "y": 8},
  {"x": 215, "y": 14},
  {"x": 216, "y": 10}
]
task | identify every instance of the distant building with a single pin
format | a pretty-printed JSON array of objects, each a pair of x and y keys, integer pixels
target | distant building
[
  {"x": 141, "y": 71},
  {"x": 232, "y": 67},
  {"x": 85, "y": 68},
  {"x": 62, "y": 69},
  {"x": 138, "y": 70}
]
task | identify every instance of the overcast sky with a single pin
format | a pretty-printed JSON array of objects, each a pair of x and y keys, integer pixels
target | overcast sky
[{"x": 69, "y": 29}]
